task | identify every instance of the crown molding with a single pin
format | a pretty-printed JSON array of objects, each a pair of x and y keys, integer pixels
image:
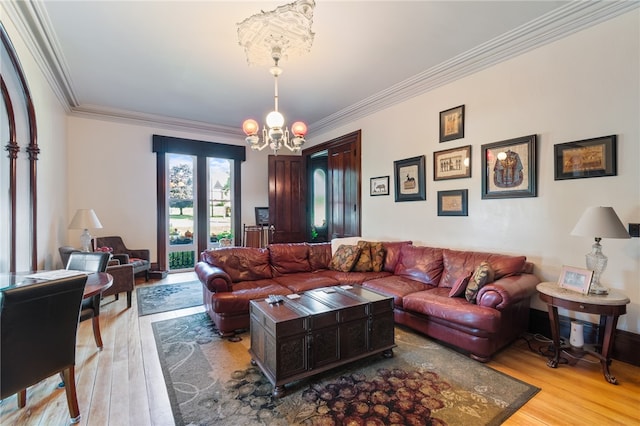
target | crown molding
[
  {"x": 557, "y": 24},
  {"x": 34, "y": 27}
]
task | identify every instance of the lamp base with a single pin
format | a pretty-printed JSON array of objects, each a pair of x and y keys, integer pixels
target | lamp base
[
  {"x": 85, "y": 241},
  {"x": 598, "y": 289}
]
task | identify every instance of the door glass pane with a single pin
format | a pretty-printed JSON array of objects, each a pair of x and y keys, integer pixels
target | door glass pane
[
  {"x": 220, "y": 215},
  {"x": 182, "y": 205},
  {"x": 319, "y": 198}
]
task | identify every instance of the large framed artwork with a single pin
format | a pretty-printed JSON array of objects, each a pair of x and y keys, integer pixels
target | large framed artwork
[
  {"x": 509, "y": 168},
  {"x": 452, "y": 163},
  {"x": 410, "y": 179},
  {"x": 586, "y": 158},
  {"x": 452, "y": 124}
]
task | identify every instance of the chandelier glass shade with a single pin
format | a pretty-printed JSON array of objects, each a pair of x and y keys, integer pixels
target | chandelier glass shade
[{"x": 283, "y": 32}]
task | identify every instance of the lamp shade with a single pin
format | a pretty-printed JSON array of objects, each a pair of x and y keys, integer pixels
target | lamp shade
[
  {"x": 600, "y": 222},
  {"x": 85, "y": 219}
]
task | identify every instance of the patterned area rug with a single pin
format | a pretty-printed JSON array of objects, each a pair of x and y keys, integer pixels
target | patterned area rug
[
  {"x": 210, "y": 381},
  {"x": 153, "y": 299}
]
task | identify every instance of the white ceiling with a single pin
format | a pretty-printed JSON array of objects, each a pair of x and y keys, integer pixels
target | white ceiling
[{"x": 179, "y": 62}]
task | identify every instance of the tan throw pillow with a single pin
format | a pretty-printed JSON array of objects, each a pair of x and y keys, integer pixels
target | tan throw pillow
[
  {"x": 460, "y": 286},
  {"x": 481, "y": 276},
  {"x": 345, "y": 258},
  {"x": 364, "y": 263},
  {"x": 377, "y": 256}
]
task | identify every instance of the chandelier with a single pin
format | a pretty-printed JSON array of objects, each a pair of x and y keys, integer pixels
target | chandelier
[{"x": 283, "y": 32}]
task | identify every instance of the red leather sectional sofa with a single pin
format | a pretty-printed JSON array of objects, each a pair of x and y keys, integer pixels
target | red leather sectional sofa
[{"x": 418, "y": 278}]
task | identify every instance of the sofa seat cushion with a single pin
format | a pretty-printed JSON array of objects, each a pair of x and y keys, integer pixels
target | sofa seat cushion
[
  {"x": 422, "y": 264},
  {"x": 396, "y": 286},
  {"x": 240, "y": 263},
  {"x": 436, "y": 303},
  {"x": 460, "y": 263},
  {"x": 289, "y": 258},
  {"x": 237, "y": 301},
  {"x": 304, "y": 281},
  {"x": 354, "y": 278}
]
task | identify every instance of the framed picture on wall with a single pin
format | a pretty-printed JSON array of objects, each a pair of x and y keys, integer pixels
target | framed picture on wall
[
  {"x": 452, "y": 124},
  {"x": 586, "y": 158},
  {"x": 410, "y": 179},
  {"x": 509, "y": 168},
  {"x": 452, "y": 163},
  {"x": 379, "y": 186},
  {"x": 453, "y": 203}
]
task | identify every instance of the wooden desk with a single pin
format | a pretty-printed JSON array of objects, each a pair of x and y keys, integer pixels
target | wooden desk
[{"x": 610, "y": 305}]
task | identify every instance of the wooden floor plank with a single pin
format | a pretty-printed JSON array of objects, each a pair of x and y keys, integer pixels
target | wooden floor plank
[{"x": 124, "y": 385}]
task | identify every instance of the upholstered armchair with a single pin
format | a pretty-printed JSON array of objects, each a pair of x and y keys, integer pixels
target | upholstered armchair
[
  {"x": 139, "y": 258},
  {"x": 38, "y": 327}
]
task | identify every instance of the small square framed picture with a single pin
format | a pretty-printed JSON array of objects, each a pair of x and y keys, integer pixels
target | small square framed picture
[
  {"x": 379, "y": 186},
  {"x": 575, "y": 279},
  {"x": 452, "y": 124},
  {"x": 453, "y": 203}
]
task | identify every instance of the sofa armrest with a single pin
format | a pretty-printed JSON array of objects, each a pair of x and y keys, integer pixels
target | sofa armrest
[
  {"x": 214, "y": 278},
  {"x": 507, "y": 291},
  {"x": 144, "y": 254},
  {"x": 122, "y": 258}
]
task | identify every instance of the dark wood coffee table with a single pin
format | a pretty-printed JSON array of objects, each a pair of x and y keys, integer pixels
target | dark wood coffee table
[{"x": 319, "y": 330}]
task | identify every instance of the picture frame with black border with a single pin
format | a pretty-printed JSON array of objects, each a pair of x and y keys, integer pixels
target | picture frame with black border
[
  {"x": 410, "y": 182},
  {"x": 586, "y": 158},
  {"x": 509, "y": 168},
  {"x": 452, "y": 124},
  {"x": 575, "y": 279},
  {"x": 262, "y": 216},
  {"x": 453, "y": 203},
  {"x": 379, "y": 186},
  {"x": 452, "y": 163}
]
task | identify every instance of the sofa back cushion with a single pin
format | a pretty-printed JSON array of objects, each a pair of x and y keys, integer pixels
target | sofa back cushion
[
  {"x": 461, "y": 263},
  {"x": 392, "y": 254},
  {"x": 422, "y": 264},
  {"x": 240, "y": 263},
  {"x": 319, "y": 255},
  {"x": 289, "y": 258}
]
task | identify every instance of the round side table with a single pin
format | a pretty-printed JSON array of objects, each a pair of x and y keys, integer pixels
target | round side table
[{"x": 610, "y": 305}]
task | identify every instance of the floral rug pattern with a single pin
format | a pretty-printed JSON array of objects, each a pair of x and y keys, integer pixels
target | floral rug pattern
[
  {"x": 156, "y": 298},
  {"x": 210, "y": 380}
]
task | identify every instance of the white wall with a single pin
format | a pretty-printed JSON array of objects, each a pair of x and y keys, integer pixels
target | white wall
[
  {"x": 584, "y": 86},
  {"x": 51, "y": 164},
  {"x": 112, "y": 170}
]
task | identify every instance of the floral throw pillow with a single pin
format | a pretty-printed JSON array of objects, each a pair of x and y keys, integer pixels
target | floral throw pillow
[
  {"x": 460, "y": 286},
  {"x": 364, "y": 263},
  {"x": 481, "y": 276},
  {"x": 377, "y": 256},
  {"x": 345, "y": 258}
]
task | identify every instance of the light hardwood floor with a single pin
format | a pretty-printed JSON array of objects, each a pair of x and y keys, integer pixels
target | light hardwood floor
[{"x": 123, "y": 384}]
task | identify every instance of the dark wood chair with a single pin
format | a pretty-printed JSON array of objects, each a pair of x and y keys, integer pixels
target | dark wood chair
[
  {"x": 90, "y": 309},
  {"x": 255, "y": 236},
  {"x": 38, "y": 327}
]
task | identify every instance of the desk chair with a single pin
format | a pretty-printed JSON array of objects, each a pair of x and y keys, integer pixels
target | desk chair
[
  {"x": 90, "y": 262},
  {"x": 38, "y": 327}
]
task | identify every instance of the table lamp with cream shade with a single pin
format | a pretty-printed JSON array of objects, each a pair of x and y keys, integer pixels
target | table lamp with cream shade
[
  {"x": 599, "y": 222},
  {"x": 85, "y": 219}
]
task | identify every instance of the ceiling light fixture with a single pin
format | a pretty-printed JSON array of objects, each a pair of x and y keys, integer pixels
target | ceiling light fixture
[{"x": 283, "y": 32}]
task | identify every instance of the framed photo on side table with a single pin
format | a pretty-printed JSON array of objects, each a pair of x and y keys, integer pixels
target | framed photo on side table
[
  {"x": 453, "y": 203},
  {"x": 379, "y": 186},
  {"x": 586, "y": 158},
  {"x": 509, "y": 168},
  {"x": 452, "y": 124},
  {"x": 410, "y": 179},
  {"x": 575, "y": 279},
  {"x": 452, "y": 163}
]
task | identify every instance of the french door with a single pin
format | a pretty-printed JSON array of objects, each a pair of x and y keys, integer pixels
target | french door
[{"x": 198, "y": 198}]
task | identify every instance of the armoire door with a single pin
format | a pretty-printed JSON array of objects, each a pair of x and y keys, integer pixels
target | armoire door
[{"x": 287, "y": 199}]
